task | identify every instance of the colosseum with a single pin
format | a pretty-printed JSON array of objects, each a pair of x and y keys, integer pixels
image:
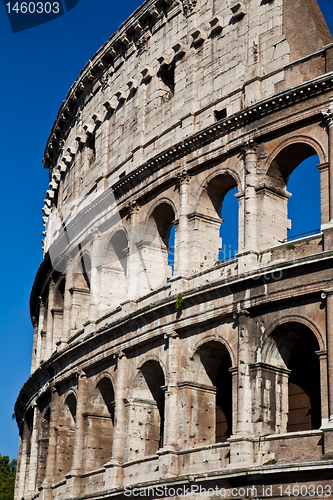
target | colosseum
[{"x": 161, "y": 365}]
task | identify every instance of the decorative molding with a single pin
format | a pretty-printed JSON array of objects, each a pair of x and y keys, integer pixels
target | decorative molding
[{"x": 188, "y": 6}]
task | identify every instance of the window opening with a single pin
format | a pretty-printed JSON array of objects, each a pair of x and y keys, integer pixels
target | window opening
[
  {"x": 229, "y": 226},
  {"x": 171, "y": 249},
  {"x": 167, "y": 75},
  {"x": 220, "y": 114},
  {"x": 304, "y": 204}
]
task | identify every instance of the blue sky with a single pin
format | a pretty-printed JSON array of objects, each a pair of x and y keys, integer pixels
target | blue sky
[{"x": 38, "y": 67}]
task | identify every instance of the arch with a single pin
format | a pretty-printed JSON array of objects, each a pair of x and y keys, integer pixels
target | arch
[
  {"x": 81, "y": 290},
  {"x": 158, "y": 202},
  {"x": 154, "y": 246},
  {"x": 210, "y": 337},
  {"x": 273, "y": 200},
  {"x": 65, "y": 434},
  {"x": 104, "y": 374},
  {"x": 297, "y": 318},
  {"x": 215, "y": 173},
  {"x": 83, "y": 269},
  {"x": 153, "y": 357},
  {"x": 302, "y": 139},
  {"x": 213, "y": 389},
  {"x": 291, "y": 345},
  {"x": 99, "y": 424},
  {"x": 114, "y": 279},
  {"x": 44, "y": 407},
  {"x": 207, "y": 222},
  {"x": 58, "y": 309},
  {"x": 146, "y": 411},
  {"x": 59, "y": 292}
]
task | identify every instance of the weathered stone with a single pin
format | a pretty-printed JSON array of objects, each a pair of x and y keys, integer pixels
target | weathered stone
[{"x": 205, "y": 373}]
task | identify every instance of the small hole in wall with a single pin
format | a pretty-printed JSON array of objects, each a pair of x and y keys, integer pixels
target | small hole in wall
[
  {"x": 167, "y": 75},
  {"x": 91, "y": 148},
  {"x": 122, "y": 175},
  {"x": 220, "y": 114}
]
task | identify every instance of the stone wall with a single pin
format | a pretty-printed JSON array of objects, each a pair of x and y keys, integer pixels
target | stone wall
[{"x": 155, "y": 366}]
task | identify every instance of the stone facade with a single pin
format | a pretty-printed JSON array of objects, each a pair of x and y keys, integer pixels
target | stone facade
[{"x": 192, "y": 372}]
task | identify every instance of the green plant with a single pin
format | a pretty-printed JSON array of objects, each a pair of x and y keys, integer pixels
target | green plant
[
  {"x": 291, "y": 247},
  {"x": 263, "y": 436},
  {"x": 272, "y": 461},
  {"x": 179, "y": 301}
]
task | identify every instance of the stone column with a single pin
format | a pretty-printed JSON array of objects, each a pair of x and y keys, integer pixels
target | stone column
[
  {"x": 133, "y": 257},
  {"x": 52, "y": 447},
  {"x": 322, "y": 355},
  {"x": 66, "y": 318},
  {"x": 324, "y": 192},
  {"x": 23, "y": 461},
  {"x": 328, "y": 294},
  {"x": 34, "y": 365},
  {"x": 183, "y": 230},
  {"x": 327, "y": 426},
  {"x": 42, "y": 312},
  {"x": 241, "y": 445},
  {"x": 94, "y": 285},
  {"x": 33, "y": 463},
  {"x": 49, "y": 332},
  {"x": 244, "y": 400},
  {"x": 248, "y": 257},
  {"x": 81, "y": 407},
  {"x": 328, "y": 117},
  {"x": 171, "y": 424},
  {"x": 113, "y": 469}
]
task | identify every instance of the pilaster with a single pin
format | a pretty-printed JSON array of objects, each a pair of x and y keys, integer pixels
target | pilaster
[
  {"x": 133, "y": 257},
  {"x": 46, "y": 491},
  {"x": 183, "y": 230},
  {"x": 66, "y": 319},
  {"x": 94, "y": 280},
  {"x": 49, "y": 347},
  {"x": 33, "y": 463},
  {"x": 113, "y": 469},
  {"x": 247, "y": 259},
  {"x": 76, "y": 470},
  {"x": 328, "y": 117}
]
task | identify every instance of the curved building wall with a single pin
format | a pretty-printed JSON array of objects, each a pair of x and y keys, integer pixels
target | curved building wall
[{"x": 155, "y": 366}]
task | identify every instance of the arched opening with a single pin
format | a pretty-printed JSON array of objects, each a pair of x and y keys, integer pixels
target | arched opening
[
  {"x": 293, "y": 166},
  {"x": 154, "y": 250},
  {"x": 43, "y": 438},
  {"x": 304, "y": 204},
  {"x": 27, "y": 430},
  {"x": 81, "y": 292},
  {"x": 58, "y": 311},
  {"x": 65, "y": 437},
  {"x": 304, "y": 411},
  {"x": 171, "y": 249},
  {"x": 208, "y": 226},
  {"x": 294, "y": 348},
  {"x": 114, "y": 282},
  {"x": 42, "y": 324},
  {"x": 99, "y": 426},
  {"x": 146, "y": 411},
  {"x": 229, "y": 227},
  {"x": 216, "y": 363}
]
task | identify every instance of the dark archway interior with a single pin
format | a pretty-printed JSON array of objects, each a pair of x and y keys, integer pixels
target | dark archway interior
[
  {"x": 297, "y": 346},
  {"x": 304, "y": 385},
  {"x": 287, "y": 160},
  {"x": 118, "y": 251},
  {"x": 154, "y": 378},
  {"x": 217, "y": 363}
]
